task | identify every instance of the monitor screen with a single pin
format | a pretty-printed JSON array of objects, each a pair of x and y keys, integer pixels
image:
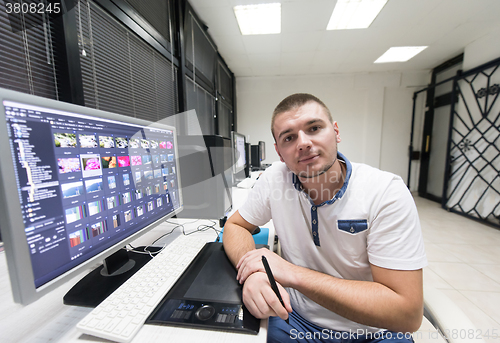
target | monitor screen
[
  {"x": 262, "y": 148},
  {"x": 239, "y": 156},
  {"x": 255, "y": 155},
  {"x": 206, "y": 162},
  {"x": 77, "y": 184}
]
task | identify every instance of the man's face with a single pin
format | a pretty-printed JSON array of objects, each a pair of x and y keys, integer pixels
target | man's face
[{"x": 306, "y": 140}]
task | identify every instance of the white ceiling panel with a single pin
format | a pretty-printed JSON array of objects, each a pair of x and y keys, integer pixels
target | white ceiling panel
[
  {"x": 329, "y": 57},
  {"x": 297, "y": 69},
  {"x": 238, "y": 60},
  {"x": 220, "y": 21},
  {"x": 404, "y": 14},
  {"x": 301, "y": 41},
  {"x": 297, "y": 58},
  {"x": 230, "y": 46},
  {"x": 305, "y": 16},
  {"x": 305, "y": 47},
  {"x": 262, "y": 59},
  {"x": 259, "y": 44}
]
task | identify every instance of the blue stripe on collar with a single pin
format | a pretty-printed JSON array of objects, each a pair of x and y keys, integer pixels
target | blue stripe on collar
[
  {"x": 296, "y": 182},
  {"x": 348, "y": 173}
]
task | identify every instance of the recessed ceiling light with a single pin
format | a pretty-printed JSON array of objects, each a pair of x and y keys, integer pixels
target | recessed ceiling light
[
  {"x": 354, "y": 14},
  {"x": 259, "y": 19},
  {"x": 400, "y": 54}
]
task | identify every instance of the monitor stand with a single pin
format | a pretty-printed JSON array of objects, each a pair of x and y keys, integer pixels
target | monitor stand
[
  {"x": 238, "y": 177},
  {"x": 104, "y": 280}
]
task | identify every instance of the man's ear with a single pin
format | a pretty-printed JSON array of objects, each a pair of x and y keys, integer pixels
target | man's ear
[
  {"x": 337, "y": 131},
  {"x": 277, "y": 151}
]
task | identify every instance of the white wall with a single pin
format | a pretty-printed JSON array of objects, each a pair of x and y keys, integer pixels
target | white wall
[
  {"x": 482, "y": 50},
  {"x": 373, "y": 111}
]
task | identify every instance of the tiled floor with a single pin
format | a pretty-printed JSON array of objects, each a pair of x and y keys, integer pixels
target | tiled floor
[{"x": 464, "y": 263}]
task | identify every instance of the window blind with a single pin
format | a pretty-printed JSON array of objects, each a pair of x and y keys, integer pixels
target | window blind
[
  {"x": 202, "y": 53},
  {"x": 156, "y": 13},
  {"x": 225, "y": 119},
  {"x": 204, "y": 103},
  {"x": 27, "y": 54},
  {"x": 121, "y": 73},
  {"x": 224, "y": 82}
]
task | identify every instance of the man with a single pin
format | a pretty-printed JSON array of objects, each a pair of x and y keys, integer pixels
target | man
[{"x": 352, "y": 249}]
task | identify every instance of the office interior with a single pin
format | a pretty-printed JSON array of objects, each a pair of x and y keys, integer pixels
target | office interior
[{"x": 155, "y": 59}]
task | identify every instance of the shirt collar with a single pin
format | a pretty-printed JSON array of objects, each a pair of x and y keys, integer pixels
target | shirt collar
[{"x": 298, "y": 185}]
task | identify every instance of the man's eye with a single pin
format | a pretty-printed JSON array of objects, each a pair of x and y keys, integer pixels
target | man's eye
[
  {"x": 287, "y": 139},
  {"x": 315, "y": 128}
]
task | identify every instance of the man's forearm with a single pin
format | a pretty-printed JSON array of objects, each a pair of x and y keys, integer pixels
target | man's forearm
[
  {"x": 237, "y": 242},
  {"x": 366, "y": 302}
]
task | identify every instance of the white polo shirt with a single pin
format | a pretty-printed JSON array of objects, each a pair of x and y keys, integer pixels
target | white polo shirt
[{"x": 372, "y": 219}]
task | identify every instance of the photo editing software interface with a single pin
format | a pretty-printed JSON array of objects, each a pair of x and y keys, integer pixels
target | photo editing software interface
[{"x": 86, "y": 183}]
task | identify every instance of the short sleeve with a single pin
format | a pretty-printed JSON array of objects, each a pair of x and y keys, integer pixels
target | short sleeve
[
  {"x": 257, "y": 208},
  {"x": 395, "y": 239}
]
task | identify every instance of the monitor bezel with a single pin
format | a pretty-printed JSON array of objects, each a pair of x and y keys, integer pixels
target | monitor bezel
[{"x": 15, "y": 243}]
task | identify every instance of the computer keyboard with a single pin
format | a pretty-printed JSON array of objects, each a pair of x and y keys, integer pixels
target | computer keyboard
[
  {"x": 120, "y": 316},
  {"x": 246, "y": 183}
]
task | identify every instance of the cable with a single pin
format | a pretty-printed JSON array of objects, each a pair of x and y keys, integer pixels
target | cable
[
  {"x": 152, "y": 254},
  {"x": 200, "y": 228}
]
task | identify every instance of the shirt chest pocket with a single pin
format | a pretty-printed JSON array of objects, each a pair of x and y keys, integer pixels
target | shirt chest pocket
[
  {"x": 353, "y": 226},
  {"x": 352, "y": 238}
]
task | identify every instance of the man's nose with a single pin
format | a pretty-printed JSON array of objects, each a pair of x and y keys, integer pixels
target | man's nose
[{"x": 303, "y": 141}]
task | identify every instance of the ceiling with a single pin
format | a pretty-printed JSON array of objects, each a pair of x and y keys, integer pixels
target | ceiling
[{"x": 305, "y": 47}]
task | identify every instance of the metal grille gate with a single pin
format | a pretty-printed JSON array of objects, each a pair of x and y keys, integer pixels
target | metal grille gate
[{"x": 472, "y": 177}]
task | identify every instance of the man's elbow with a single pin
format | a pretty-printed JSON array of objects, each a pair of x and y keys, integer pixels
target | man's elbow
[
  {"x": 412, "y": 320},
  {"x": 415, "y": 324}
]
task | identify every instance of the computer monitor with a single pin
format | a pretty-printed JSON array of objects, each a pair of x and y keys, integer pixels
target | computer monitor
[
  {"x": 77, "y": 185},
  {"x": 255, "y": 156},
  {"x": 206, "y": 162},
  {"x": 238, "y": 143},
  {"x": 262, "y": 148},
  {"x": 248, "y": 164}
]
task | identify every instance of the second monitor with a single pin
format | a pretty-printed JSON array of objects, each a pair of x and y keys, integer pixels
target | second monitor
[
  {"x": 258, "y": 155},
  {"x": 238, "y": 145},
  {"x": 206, "y": 183}
]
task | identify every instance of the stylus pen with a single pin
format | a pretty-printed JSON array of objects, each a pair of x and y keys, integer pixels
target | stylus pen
[{"x": 274, "y": 286}]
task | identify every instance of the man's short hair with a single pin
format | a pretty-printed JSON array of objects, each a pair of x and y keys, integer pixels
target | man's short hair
[{"x": 295, "y": 101}]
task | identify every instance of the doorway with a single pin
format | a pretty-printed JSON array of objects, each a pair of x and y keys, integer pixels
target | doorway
[{"x": 433, "y": 151}]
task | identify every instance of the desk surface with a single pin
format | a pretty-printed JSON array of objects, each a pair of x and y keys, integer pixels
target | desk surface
[{"x": 48, "y": 319}]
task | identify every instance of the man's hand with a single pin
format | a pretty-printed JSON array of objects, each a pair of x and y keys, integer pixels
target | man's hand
[
  {"x": 258, "y": 296},
  {"x": 251, "y": 263},
  {"x": 260, "y": 300}
]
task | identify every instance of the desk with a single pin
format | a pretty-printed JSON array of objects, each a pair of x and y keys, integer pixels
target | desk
[{"x": 48, "y": 319}]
